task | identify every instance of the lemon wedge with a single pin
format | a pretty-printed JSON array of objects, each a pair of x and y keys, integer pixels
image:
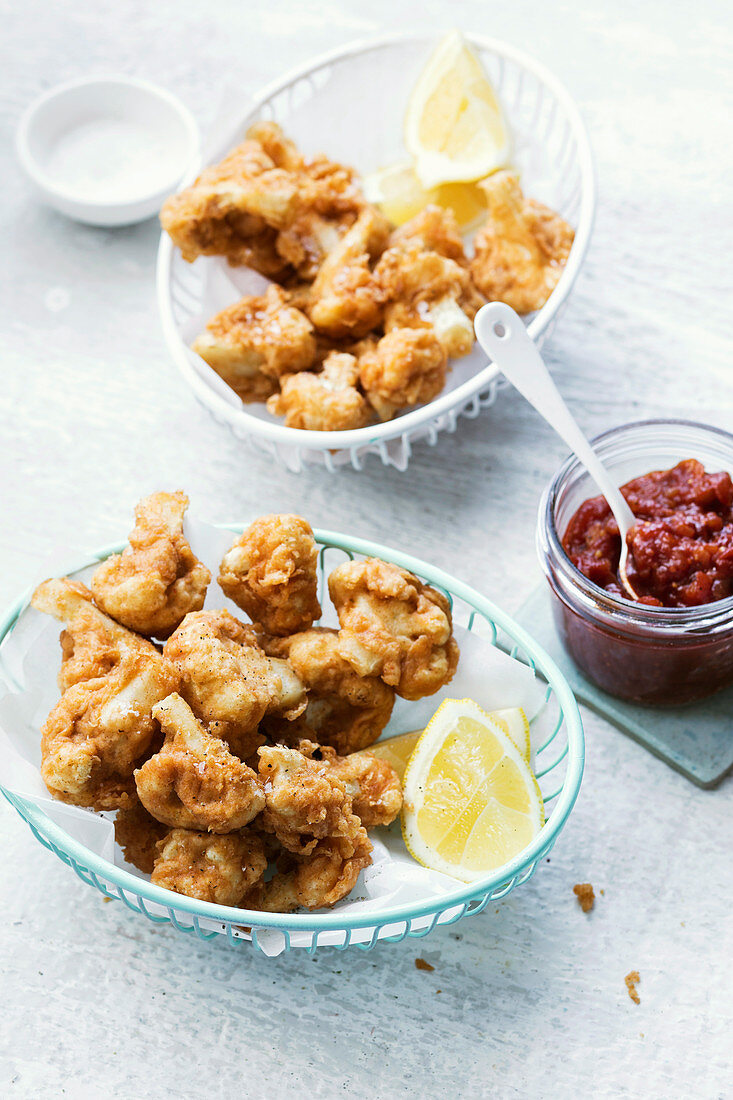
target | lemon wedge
[
  {"x": 398, "y": 193},
  {"x": 471, "y": 802},
  {"x": 398, "y": 750},
  {"x": 454, "y": 126}
]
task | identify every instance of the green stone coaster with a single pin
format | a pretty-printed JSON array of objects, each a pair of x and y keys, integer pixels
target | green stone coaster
[{"x": 696, "y": 740}]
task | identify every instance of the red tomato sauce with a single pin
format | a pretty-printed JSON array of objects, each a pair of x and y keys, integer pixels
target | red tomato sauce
[{"x": 680, "y": 548}]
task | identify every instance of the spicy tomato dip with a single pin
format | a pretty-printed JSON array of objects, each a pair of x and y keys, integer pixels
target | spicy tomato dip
[{"x": 680, "y": 548}]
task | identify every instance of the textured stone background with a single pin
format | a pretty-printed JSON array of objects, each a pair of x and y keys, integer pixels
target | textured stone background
[{"x": 528, "y": 999}]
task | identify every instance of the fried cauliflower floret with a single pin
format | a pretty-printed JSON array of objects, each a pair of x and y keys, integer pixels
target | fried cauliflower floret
[
  {"x": 522, "y": 249},
  {"x": 137, "y": 833},
  {"x": 220, "y": 869},
  {"x": 304, "y": 803},
  {"x": 102, "y": 724},
  {"x": 346, "y": 299},
  {"x": 394, "y": 626},
  {"x": 266, "y": 207},
  {"x": 270, "y": 572},
  {"x": 230, "y": 204},
  {"x": 227, "y": 680},
  {"x": 372, "y": 784},
  {"x": 325, "y": 402},
  {"x": 194, "y": 782},
  {"x": 426, "y": 290},
  {"x": 344, "y": 710},
  {"x": 406, "y": 367},
  {"x": 317, "y": 880},
  {"x": 435, "y": 229},
  {"x": 329, "y": 201},
  {"x": 157, "y": 580},
  {"x": 252, "y": 343}
]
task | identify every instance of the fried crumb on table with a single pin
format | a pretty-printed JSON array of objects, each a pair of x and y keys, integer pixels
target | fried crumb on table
[
  {"x": 423, "y": 964},
  {"x": 585, "y": 895},
  {"x": 632, "y": 979}
]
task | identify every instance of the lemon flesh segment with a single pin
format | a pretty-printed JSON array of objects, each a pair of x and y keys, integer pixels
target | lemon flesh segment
[
  {"x": 515, "y": 724},
  {"x": 471, "y": 802},
  {"x": 397, "y": 750},
  {"x": 398, "y": 193},
  {"x": 455, "y": 129}
]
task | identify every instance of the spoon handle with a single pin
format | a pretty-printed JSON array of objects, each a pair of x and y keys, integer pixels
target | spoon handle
[{"x": 503, "y": 335}]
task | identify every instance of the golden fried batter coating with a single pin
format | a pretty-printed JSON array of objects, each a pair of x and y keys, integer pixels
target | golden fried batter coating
[
  {"x": 406, "y": 367},
  {"x": 230, "y": 203},
  {"x": 346, "y": 300},
  {"x": 157, "y": 580},
  {"x": 394, "y": 626},
  {"x": 270, "y": 572},
  {"x": 266, "y": 207},
  {"x": 252, "y": 343},
  {"x": 435, "y": 229},
  {"x": 304, "y": 803},
  {"x": 194, "y": 782},
  {"x": 137, "y": 834},
  {"x": 424, "y": 289},
  {"x": 325, "y": 402},
  {"x": 521, "y": 251},
  {"x": 228, "y": 681},
  {"x": 315, "y": 881},
  {"x": 220, "y": 869},
  {"x": 344, "y": 710},
  {"x": 102, "y": 724},
  {"x": 372, "y": 784},
  {"x": 329, "y": 201}
]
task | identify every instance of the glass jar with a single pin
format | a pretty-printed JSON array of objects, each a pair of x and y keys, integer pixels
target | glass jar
[{"x": 649, "y": 655}]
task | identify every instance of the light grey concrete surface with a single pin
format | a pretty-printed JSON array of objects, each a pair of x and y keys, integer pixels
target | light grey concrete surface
[{"x": 529, "y": 999}]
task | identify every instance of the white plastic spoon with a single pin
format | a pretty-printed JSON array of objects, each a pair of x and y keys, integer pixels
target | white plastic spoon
[{"x": 502, "y": 334}]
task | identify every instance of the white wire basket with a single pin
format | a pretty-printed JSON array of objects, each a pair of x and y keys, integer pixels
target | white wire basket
[{"x": 349, "y": 104}]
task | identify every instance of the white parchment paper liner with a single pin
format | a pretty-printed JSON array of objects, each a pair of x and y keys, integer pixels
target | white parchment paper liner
[{"x": 29, "y": 662}]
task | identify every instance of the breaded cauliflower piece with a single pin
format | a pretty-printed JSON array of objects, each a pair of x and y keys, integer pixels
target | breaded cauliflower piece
[
  {"x": 194, "y": 782},
  {"x": 325, "y": 402},
  {"x": 157, "y": 580},
  {"x": 137, "y": 833},
  {"x": 435, "y": 229},
  {"x": 346, "y": 299},
  {"x": 522, "y": 249},
  {"x": 266, "y": 207},
  {"x": 270, "y": 572},
  {"x": 229, "y": 204},
  {"x": 394, "y": 626},
  {"x": 315, "y": 881},
  {"x": 102, "y": 725},
  {"x": 426, "y": 290},
  {"x": 406, "y": 367},
  {"x": 344, "y": 710},
  {"x": 252, "y": 343},
  {"x": 372, "y": 784},
  {"x": 304, "y": 803},
  {"x": 227, "y": 680},
  {"x": 220, "y": 869}
]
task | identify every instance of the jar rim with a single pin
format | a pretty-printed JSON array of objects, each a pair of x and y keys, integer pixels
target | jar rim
[{"x": 701, "y": 617}]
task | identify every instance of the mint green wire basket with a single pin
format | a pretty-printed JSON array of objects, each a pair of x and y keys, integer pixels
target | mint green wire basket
[{"x": 558, "y": 765}]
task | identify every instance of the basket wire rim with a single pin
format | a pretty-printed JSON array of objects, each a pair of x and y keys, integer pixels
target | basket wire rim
[
  {"x": 407, "y": 424},
  {"x": 284, "y": 922}
]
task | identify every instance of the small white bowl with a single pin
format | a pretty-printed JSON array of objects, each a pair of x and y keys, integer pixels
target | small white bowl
[{"x": 107, "y": 150}]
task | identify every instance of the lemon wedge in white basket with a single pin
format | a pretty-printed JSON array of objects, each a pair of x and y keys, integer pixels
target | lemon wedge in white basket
[
  {"x": 454, "y": 125},
  {"x": 471, "y": 802},
  {"x": 398, "y": 193}
]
